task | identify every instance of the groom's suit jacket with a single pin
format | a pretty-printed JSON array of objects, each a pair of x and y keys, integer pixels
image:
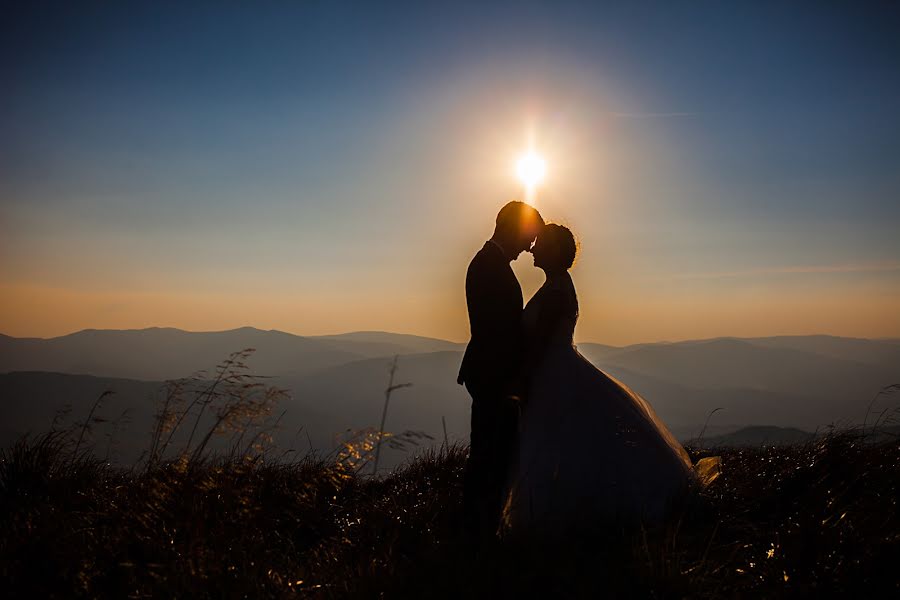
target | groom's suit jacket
[{"x": 494, "y": 299}]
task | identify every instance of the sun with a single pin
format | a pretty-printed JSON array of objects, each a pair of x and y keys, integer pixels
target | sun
[{"x": 531, "y": 169}]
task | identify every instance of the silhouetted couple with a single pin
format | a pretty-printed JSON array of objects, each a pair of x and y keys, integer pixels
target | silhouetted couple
[{"x": 554, "y": 439}]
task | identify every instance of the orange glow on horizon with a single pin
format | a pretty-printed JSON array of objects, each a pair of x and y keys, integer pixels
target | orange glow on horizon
[{"x": 617, "y": 319}]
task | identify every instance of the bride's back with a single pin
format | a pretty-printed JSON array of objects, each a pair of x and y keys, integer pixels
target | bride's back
[{"x": 552, "y": 313}]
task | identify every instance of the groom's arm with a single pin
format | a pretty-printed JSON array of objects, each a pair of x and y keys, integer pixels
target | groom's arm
[{"x": 495, "y": 312}]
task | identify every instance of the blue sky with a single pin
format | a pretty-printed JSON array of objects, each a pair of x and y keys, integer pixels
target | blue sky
[{"x": 326, "y": 166}]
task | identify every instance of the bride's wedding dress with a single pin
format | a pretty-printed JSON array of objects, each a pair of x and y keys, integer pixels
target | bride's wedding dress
[{"x": 589, "y": 446}]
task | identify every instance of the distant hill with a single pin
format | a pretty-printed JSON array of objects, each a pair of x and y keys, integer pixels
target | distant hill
[
  {"x": 884, "y": 352},
  {"x": 381, "y": 343},
  {"x": 800, "y": 381},
  {"x": 336, "y": 382},
  {"x": 166, "y": 353},
  {"x": 730, "y": 363},
  {"x": 353, "y": 393},
  {"x": 31, "y": 401},
  {"x": 760, "y": 435}
]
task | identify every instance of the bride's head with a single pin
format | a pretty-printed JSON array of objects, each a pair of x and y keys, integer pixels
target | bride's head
[{"x": 555, "y": 248}]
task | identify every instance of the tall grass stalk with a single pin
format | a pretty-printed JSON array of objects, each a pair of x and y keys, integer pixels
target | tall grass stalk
[
  {"x": 86, "y": 424},
  {"x": 390, "y": 389}
]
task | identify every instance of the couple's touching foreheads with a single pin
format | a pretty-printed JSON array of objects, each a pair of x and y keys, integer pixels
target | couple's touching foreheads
[{"x": 555, "y": 441}]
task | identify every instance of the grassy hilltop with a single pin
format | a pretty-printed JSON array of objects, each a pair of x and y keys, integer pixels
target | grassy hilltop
[{"x": 819, "y": 518}]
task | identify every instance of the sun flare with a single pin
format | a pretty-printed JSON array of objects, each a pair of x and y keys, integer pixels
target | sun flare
[{"x": 531, "y": 169}]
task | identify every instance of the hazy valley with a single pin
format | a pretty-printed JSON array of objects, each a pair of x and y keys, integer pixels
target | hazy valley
[{"x": 336, "y": 383}]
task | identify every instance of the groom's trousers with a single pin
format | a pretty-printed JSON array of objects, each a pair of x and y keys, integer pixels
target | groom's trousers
[{"x": 494, "y": 426}]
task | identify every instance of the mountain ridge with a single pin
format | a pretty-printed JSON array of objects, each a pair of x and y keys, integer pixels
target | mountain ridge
[
  {"x": 366, "y": 332},
  {"x": 337, "y": 381}
]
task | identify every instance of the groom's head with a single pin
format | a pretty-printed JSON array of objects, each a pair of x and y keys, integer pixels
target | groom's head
[{"x": 517, "y": 226}]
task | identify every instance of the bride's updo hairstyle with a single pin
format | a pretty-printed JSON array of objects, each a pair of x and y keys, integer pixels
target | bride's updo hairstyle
[{"x": 562, "y": 239}]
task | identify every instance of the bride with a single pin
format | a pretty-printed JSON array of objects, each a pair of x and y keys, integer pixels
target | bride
[{"x": 589, "y": 446}]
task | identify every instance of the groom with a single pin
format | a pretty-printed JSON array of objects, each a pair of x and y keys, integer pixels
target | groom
[{"x": 491, "y": 365}]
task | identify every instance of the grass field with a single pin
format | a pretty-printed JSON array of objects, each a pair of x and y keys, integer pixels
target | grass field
[{"x": 805, "y": 520}]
